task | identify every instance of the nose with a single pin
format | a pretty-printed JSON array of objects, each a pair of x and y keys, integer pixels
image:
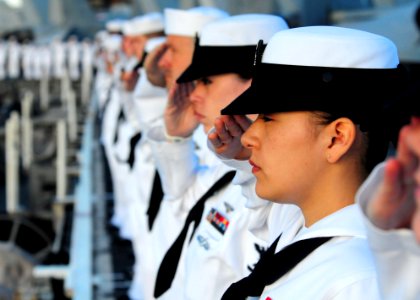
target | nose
[
  {"x": 165, "y": 61},
  {"x": 196, "y": 95},
  {"x": 249, "y": 138}
]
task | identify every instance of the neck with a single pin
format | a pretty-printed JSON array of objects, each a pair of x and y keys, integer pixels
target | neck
[{"x": 335, "y": 190}]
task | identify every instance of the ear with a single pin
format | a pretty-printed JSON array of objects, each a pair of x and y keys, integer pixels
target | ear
[{"x": 341, "y": 135}]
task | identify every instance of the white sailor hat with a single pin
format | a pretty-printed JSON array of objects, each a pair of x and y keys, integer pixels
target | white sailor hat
[
  {"x": 228, "y": 45},
  {"x": 323, "y": 68},
  {"x": 189, "y": 22},
  {"x": 154, "y": 42},
  {"x": 145, "y": 24},
  {"x": 115, "y": 25},
  {"x": 101, "y": 35},
  {"x": 112, "y": 43}
]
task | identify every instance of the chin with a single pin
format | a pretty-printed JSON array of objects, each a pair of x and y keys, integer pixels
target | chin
[{"x": 265, "y": 194}]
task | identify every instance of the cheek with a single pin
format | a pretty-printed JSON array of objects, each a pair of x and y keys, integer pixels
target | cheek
[
  {"x": 178, "y": 65},
  {"x": 282, "y": 164}
]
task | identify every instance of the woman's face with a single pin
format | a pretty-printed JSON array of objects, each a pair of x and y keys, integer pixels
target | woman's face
[
  {"x": 286, "y": 149},
  {"x": 211, "y": 94}
]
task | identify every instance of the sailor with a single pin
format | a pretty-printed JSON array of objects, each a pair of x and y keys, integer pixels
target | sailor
[
  {"x": 73, "y": 57},
  {"x": 312, "y": 147},
  {"x": 142, "y": 184},
  {"x": 103, "y": 79},
  {"x": 3, "y": 59},
  {"x": 14, "y": 53},
  {"x": 36, "y": 62},
  {"x": 87, "y": 68},
  {"x": 58, "y": 53},
  {"x": 222, "y": 246},
  {"x": 390, "y": 204},
  {"x": 109, "y": 55},
  {"x": 27, "y": 60},
  {"x": 173, "y": 58},
  {"x": 135, "y": 33},
  {"x": 46, "y": 61},
  {"x": 112, "y": 115},
  {"x": 112, "y": 46}
]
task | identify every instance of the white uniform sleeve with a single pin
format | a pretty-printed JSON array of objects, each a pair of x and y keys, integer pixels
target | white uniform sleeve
[
  {"x": 176, "y": 162},
  {"x": 396, "y": 252}
]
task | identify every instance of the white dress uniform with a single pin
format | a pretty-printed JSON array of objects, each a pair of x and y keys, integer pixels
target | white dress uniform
[
  {"x": 342, "y": 268},
  {"x": 182, "y": 188},
  {"x": 224, "y": 259},
  {"x": 109, "y": 128},
  {"x": 27, "y": 61},
  {"x": 117, "y": 151},
  {"x": 14, "y": 53},
  {"x": 88, "y": 53},
  {"x": 225, "y": 256},
  {"x": 46, "y": 61},
  {"x": 3, "y": 57},
  {"x": 104, "y": 81},
  {"x": 87, "y": 67},
  {"x": 74, "y": 58},
  {"x": 150, "y": 113},
  {"x": 396, "y": 253},
  {"x": 36, "y": 62},
  {"x": 127, "y": 128},
  {"x": 58, "y": 58},
  {"x": 213, "y": 255},
  {"x": 102, "y": 87}
]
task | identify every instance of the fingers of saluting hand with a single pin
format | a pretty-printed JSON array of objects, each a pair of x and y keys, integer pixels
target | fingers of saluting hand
[
  {"x": 214, "y": 138},
  {"x": 415, "y": 223},
  {"x": 243, "y": 121},
  {"x": 385, "y": 209},
  {"x": 409, "y": 150},
  {"x": 181, "y": 93},
  {"x": 222, "y": 131},
  {"x": 232, "y": 126},
  {"x": 406, "y": 151}
]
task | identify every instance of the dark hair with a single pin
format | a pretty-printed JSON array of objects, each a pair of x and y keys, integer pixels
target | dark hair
[
  {"x": 376, "y": 136},
  {"x": 245, "y": 75}
]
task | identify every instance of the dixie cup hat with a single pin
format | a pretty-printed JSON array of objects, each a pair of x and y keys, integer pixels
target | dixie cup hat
[
  {"x": 190, "y": 22},
  {"x": 144, "y": 24},
  {"x": 228, "y": 45},
  {"x": 323, "y": 68}
]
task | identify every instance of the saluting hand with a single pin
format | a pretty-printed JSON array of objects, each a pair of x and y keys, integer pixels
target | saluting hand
[
  {"x": 154, "y": 74},
  {"x": 396, "y": 204},
  {"x": 226, "y": 136},
  {"x": 129, "y": 80},
  {"x": 179, "y": 113}
]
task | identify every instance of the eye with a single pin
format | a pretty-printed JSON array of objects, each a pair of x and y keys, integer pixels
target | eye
[
  {"x": 265, "y": 118},
  {"x": 205, "y": 81}
]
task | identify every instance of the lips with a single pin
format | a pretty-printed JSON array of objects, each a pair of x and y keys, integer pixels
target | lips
[
  {"x": 255, "y": 167},
  {"x": 198, "y": 115}
]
